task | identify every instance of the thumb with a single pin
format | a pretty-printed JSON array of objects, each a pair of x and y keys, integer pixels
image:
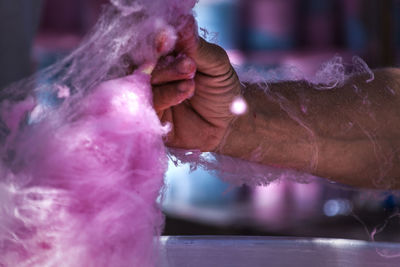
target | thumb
[{"x": 210, "y": 58}]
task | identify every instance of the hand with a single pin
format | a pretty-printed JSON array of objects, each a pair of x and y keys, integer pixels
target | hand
[{"x": 193, "y": 92}]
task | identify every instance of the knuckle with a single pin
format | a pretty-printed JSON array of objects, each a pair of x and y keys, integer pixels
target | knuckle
[
  {"x": 219, "y": 59},
  {"x": 220, "y": 54}
]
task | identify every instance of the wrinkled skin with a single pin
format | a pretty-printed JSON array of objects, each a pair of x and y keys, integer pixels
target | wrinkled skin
[{"x": 193, "y": 89}]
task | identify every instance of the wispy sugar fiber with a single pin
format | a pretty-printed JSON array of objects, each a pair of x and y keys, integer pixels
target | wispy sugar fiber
[{"x": 82, "y": 152}]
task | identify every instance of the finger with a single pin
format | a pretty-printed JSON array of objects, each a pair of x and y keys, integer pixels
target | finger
[
  {"x": 187, "y": 36},
  {"x": 172, "y": 94},
  {"x": 173, "y": 69},
  {"x": 147, "y": 68},
  {"x": 165, "y": 40}
]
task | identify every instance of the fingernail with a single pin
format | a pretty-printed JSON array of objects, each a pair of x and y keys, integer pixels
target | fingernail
[
  {"x": 165, "y": 40},
  {"x": 147, "y": 68},
  {"x": 186, "y": 66}
]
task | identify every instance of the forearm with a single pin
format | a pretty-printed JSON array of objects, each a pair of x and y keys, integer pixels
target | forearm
[{"x": 349, "y": 134}]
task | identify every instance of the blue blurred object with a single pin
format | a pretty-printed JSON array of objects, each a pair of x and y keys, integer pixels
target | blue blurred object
[
  {"x": 220, "y": 17},
  {"x": 198, "y": 187},
  {"x": 356, "y": 35},
  {"x": 261, "y": 40}
]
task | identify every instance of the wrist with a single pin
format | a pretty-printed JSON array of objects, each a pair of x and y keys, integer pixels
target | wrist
[{"x": 234, "y": 142}]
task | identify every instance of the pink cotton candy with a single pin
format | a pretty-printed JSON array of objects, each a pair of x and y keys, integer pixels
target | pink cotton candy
[
  {"x": 89, "y": 189},
  {"x": 82, "y": 156}
]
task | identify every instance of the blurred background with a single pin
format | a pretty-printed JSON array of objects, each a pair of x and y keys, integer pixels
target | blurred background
[{"x": 266, "y": 34}]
